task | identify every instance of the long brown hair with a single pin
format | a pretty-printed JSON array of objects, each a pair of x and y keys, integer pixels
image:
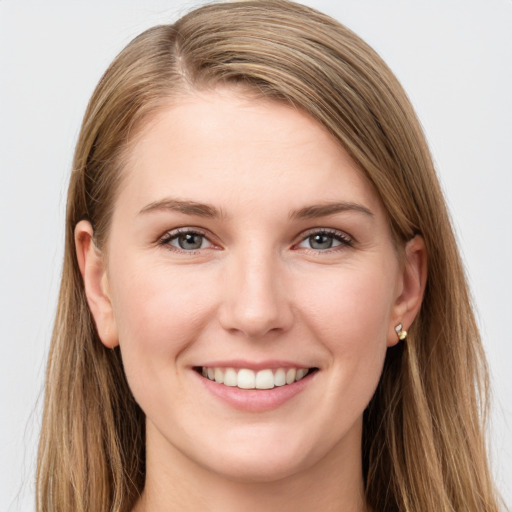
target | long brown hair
[{"x": 423, "y": 443}]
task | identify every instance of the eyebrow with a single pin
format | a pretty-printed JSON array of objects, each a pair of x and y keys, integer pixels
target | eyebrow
[
  {"x": 325, "y": 209},
  {"x": 183, "y": 206},
  {"x": 208, "y": 211}
]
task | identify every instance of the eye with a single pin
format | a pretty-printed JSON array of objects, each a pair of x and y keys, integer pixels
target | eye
[
  {"x": 185, "y": 240},
  {"x": 324, "y": 240}
]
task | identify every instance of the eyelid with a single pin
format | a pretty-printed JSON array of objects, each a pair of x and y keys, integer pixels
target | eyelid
[
  {"x": 344, "y": 238},
  {"x": 164, "y": 240},
  {"x": 173, "y": 234}
]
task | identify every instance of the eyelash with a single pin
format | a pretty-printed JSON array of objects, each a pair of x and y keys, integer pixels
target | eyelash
[
  {"x": 170, "y": 236},
  {"x": 333, "y": 234}
]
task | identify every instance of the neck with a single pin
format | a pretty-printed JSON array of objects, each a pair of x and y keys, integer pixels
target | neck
[{"x": 174, "y": 482}]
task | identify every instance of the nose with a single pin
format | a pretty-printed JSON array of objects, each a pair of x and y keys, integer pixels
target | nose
[{"x": 256, "y": 298}]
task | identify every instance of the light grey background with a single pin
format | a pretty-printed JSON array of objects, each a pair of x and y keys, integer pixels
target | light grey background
[{"x": 454, "y": 58}]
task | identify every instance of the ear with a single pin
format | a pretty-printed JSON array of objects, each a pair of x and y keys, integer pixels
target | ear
[
  {"x": 411, "y": 288},
  {"x": 94, "y": 274}
]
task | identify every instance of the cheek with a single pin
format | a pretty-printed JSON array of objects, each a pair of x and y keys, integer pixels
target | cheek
[
  {"x": 350, "y": 308},
  {"x": 350, "y": 315},
  {"x": 159, "y": 312}
]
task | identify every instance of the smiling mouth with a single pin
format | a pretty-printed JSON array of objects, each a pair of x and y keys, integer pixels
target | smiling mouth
[{"x": 245, "y": 378}]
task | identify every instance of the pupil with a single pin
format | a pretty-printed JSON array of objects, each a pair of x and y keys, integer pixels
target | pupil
[
  {"x": 320, "y": 241},
  {"x": 190, "y": 241}
]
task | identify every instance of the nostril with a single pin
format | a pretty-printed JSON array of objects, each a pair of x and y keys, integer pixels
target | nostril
[
  {"x": 256, "y": 323},
  {"x": 254, "y": 303}
]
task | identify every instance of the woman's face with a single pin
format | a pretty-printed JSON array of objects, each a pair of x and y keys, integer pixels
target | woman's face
[{"x": 247, "y": 247}]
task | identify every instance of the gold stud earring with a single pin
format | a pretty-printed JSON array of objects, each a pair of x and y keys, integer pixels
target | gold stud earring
[{"x": 401, "y": 332}]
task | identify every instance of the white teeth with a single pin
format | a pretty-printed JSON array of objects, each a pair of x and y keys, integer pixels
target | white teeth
[
  {"x": 219, "y": 375},
  {"x": 249, "y": 379},
  {"x": 300, "y": 374},
  {"x": 290, "y": 375},
  {"x": 280, "y": 377},
  {"x": 230, "y": 378},
  {"x": 246, "y": 379},
  {"x": 264, "y": 379}
]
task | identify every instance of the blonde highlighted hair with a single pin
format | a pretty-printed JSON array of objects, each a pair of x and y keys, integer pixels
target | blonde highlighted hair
[{"x": 423, "y": 443}]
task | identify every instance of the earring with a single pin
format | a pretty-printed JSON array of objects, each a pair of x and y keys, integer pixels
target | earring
[{"x": 401, "y": 332}]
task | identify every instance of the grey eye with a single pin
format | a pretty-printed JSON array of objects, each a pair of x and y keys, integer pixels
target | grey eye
[
  {"x": 321, "y": 241},
  {"x": 189, "y": 241},
  {"x": 325, "y": 240}
]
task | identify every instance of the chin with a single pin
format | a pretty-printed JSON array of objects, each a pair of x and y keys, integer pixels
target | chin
[
  {"x": 259, "y": 469},
  {"x": 262, "y": 456}
]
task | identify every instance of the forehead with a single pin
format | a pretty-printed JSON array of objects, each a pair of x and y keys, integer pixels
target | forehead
[{"x": 230, "y": 147}]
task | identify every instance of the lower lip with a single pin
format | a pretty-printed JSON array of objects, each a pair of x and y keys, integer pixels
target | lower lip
[{"x": 256, "y": 400}]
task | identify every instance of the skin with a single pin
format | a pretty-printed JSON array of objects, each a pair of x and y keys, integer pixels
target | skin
[{"x": 257, "y": 289}]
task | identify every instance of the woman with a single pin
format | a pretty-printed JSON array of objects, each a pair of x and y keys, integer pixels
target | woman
[{"x": 262, "y": 300}]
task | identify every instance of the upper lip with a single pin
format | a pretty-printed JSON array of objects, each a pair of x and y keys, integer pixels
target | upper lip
[{"x": 254, "y": 365}]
